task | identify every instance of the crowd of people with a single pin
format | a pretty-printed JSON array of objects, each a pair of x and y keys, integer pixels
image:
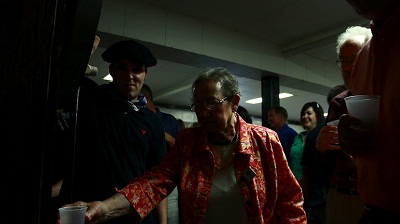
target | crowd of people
[{"x": 134, "y": 163}]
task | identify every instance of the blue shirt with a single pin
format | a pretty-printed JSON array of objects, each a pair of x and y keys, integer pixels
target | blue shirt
[
  {"x": 286, "y": 136},
  {"x": 171, "y": 124}
]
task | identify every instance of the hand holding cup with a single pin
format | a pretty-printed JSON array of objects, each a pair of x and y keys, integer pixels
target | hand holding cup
[
  {"x": 328, "y": 137},
  {"x": 72, "y": 214}
]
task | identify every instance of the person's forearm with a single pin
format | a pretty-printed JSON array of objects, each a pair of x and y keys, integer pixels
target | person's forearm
[
  {"x": 170, "y": 140},
  {"x": 55, "y": 189},
  {"x": 111, "y": 208},
  {"x": 162, "y": 211},
  {"x": 116, "y": 206}
]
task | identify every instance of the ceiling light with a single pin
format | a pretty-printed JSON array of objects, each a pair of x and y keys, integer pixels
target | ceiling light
[
  {"x": 108, "y": 78},
  {"x": 284, "y": 95},
  {"x": 259, "y": 99},
  {"x": 254, "y": 101}
]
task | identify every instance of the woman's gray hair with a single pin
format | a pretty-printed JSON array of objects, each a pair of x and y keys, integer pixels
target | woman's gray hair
[{"x": 229, "y": 83}]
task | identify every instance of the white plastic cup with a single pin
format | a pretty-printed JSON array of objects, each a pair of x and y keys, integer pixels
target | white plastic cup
[
  {"x": 73, "y": 214},
  {"x": 333, "y": 123},
  {"x": 364, "y": 107}
]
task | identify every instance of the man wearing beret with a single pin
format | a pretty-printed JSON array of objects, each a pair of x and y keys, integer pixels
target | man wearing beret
[{"x": 117, "y": 137}]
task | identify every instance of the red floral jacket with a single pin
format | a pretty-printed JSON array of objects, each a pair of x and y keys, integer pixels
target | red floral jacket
[{"x": 272, "y": 196}]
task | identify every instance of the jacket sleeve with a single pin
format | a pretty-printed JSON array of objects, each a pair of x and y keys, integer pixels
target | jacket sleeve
[{"x": 289, "y": 205}]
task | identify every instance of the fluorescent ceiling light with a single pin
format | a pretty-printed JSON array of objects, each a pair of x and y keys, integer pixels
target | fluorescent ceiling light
[
  {"x": 108, "y": 78},
  {"x": 259, "y": 99},
  {"x": 284, "y": 95},
  {"x": 254, "y": 101}
]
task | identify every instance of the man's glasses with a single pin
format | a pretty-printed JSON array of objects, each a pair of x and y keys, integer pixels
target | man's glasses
[
  {"x": 346, "y": 62},
  {"x": 210, "y": 104}
]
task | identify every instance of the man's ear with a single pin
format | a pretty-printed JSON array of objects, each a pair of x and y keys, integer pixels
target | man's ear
[
  {"x": 146, "y": 73},
  {"x": 235, "y": 102}
]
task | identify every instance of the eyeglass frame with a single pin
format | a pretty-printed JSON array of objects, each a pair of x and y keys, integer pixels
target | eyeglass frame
[
  {"x": 217, "y": 102},
  {"x": 346, "y": 61}
]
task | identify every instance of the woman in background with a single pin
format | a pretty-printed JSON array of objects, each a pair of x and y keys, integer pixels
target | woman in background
[
  {"x": 309, "y": 164},
  {"x": 311, "y": 114}
]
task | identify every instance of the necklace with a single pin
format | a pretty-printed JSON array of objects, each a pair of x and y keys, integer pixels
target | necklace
[{"x": 221, "y": 156}]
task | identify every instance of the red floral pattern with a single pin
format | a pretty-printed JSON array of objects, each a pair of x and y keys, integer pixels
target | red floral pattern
[{"x": 272, "y": 196}]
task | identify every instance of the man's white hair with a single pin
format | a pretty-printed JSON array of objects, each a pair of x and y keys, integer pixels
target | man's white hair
[{"x": 360, "y": 33}]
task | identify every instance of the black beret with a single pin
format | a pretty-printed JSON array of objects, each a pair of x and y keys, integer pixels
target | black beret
[{"x": 129, "y": 49}]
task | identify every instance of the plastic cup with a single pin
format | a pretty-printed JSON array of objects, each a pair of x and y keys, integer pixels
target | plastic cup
[
  {"x": 333, "y": 123},
  {"x": 73, "y": 214},
  {"x": 364, "y": 107}
]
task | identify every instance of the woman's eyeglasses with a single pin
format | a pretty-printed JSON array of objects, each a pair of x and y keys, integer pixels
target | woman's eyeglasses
[{"x": 210, "y": 104}]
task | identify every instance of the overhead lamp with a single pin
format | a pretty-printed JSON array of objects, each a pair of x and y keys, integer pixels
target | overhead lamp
[
  {"x": 259, "y": 99},
  {"x": 285, "y": 95},
  {"x": 108, "y": 78},
  {"x": 254, "y": 101}
]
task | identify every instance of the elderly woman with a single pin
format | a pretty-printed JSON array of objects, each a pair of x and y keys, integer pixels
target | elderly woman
[{"x": 227, "y": 171}]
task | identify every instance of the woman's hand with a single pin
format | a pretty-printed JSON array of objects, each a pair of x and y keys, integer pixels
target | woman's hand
[
  {"x": 94, "y": 212},
  {"x": 101, "y": 211}
]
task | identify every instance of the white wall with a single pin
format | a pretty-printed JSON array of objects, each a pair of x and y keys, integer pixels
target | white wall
[{"x": 138, "y": 20}]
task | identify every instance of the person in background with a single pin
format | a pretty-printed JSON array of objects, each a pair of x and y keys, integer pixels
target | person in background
[
  {"x": 63, "y": 149},
  {"x": 343, "y": 205},
  {"x": 277, "y": 119},
  {"x": 117, "y": 137},
  {"x": 376, "y": 152},
  {"x": 171, "y": 125},
  {"x": 227, "y": 171},
  {"x": 194, "y": 124},
  {"x": 315, "y": 180},
  {"x": 244, "y": 114},
  {"x": 64, "y": 138},
  {"x": 310, "y": 117},
  {"x": 181, "y": 123},
  {"x": 171, "y": 128},
  {"x": 336, "y": 90}
]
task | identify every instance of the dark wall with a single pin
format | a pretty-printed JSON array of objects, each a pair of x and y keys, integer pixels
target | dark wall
[{"x": 44, "y": 50}]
